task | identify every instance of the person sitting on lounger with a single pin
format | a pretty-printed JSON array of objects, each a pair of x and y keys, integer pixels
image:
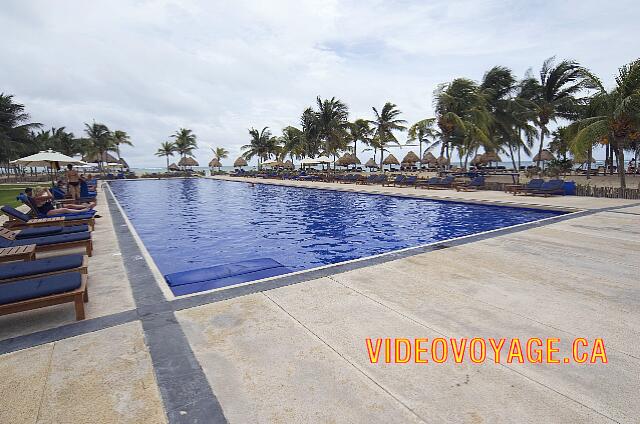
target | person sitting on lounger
[{"x": 42, "y": 201}]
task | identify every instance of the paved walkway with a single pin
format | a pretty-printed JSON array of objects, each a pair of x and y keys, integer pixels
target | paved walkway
[{"x": 293, "y": 349}]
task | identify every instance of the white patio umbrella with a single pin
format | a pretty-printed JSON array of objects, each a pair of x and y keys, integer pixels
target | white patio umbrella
[{"x": 48, "y": 158}]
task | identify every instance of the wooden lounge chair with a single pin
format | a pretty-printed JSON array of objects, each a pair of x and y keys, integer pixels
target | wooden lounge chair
[
  {"x": 19, "y": 219},
  {"x": 28, "y": 233},
  {"x": 411, "y": 180},
  {"x": 550, "y": 188},
  {"x": 53, "y": 242},
  {"x": 24, "y": 270},
  {"x": 25, "y": 295},
  {"x": 473, "y": 185},
  {"x": 534, "y": 184},
  {"x": 397, "y": 180},
  {"x": 426, "y": 183}
]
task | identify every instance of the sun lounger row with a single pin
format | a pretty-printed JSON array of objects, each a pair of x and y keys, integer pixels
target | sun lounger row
[
  {"x": 540, "y": 187},
  {"x": 42, "y": 282}
]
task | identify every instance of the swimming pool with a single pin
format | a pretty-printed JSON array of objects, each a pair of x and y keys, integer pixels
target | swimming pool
[{"x": 193, "y": 223}]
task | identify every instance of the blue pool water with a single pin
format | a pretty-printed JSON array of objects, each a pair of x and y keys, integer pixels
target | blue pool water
[{"x": 191, "y": 223}]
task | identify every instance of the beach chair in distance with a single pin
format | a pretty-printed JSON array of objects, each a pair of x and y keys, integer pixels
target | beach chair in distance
[
  {"x": 369, "y": 180},
  {"x": 53, "y": 242},
  {"x": 409, "y": 181},
  {"x": 23, "y": 270},
  {"x": 426, "y": 183},
  {"x": 25, "y": 295},
  {"x": 534, "y": 184},
  {"x": 550, "y": 188},
  {"x": 444, "y": 183},
  {"x": 397, "y": 180},
  {"x": 472, "y": 185}
]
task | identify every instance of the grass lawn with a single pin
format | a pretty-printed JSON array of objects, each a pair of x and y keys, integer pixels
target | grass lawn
[{"x": 8, "y": 193}]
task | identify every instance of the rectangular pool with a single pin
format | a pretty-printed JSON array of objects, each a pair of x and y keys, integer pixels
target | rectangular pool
[{"x": 187, "y": 224}]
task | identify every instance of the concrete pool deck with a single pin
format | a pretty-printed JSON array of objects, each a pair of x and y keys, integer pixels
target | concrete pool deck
[{"x": 296, "y": 352}]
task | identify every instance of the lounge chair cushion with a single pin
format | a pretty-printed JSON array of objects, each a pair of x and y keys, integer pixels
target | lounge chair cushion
[
  {"x": 15, "y": 213},
  {"x": 39, "y": 266},
  {"x": 46, "y": 240},
  {"x": 224, "y": 275},
  {"x": 39, "y": 287},
  {"x": 48, "y": 231}
]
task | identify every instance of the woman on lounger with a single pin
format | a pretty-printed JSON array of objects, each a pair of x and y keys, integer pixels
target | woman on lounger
[{"x": 43, "y": 203}]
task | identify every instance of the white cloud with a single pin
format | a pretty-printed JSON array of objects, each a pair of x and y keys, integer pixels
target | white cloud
[{"x": 219, "y": 68}]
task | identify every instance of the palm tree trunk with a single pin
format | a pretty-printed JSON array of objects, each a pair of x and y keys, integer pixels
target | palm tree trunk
[
  {"x": 620, "y": 157},
  {"x": 381, "y": 158},
  {"x": 420, "y": 148},
  {"x": 542, "y": 129},
  {"x": 589, "y": 157},
  {"x": 513, "y": 159},
  {"x": 167, "y": 163}
]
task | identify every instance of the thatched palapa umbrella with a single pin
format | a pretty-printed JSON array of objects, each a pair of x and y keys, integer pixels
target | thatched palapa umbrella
[
  {"x": 390, "y": 160},
  {"x": 288, "y": 164},
  {"x": 348, "y": 159},
  {"x": 188, "y": 162},
  {"x": 173, "y": 167},
  {"x": 240, "y": 162},
  {"x": 371, "y": 163},
  {"x": 489, "y": 157},
  {"x": 215, "y": 163},
  {"x": 429, "y": 159},
  {"x": 477, "y": 160},
  {"x": 410, "y": 158},
  {"x": 443, "y": 161},
  {"x": 544, "y": 156}
]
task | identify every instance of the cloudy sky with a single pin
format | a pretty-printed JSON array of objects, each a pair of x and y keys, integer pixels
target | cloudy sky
[{"x": 221, "y": 67}]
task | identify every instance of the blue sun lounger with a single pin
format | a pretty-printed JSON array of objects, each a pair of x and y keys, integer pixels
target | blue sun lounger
[
  {"x": 20, "y": 219},
  {"x": 223, "y": 275},
  {"x": 427, "y": 183},
  {"x": 534, "y": 184},
  {"x": 397, "y": 180},
  {"x": 474, "y": 184},
  {"x": 53, "y": 242},
  {"x": 49, "y": 290},
  {"x": 25, "y": 200},
  {"x": 550, "y": 188},
  {"x": 20, "y": 270},
  {"x": 28, "y": 233}
]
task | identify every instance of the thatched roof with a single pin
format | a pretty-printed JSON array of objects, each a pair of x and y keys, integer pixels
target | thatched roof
[
  {"x": 371, "y": 163},
  {"x": 477, "y": 160},
  {"x": 96, "y": 157},
  {"x": 173, "y": 167},
  {"x": 546, "y": 155},
  {"x": 188, "y": 161},
  {"x": 124, "y": 163},
  {"x": 390, "y": 160},
  {"x": 348, "y": 159},
  {"x": 443, "y": 161},
  {"x": 411, "y": 158},
  {"x": 215, "y": 163},
  {"x": 240, "y": 162},
  {"x": 429, "y": 158},
  {"x": 288, "y": 165},
  {"x": 491, "y": 157}
]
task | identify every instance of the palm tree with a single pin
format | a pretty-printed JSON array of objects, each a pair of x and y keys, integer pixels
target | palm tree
[
  {"x": 16, "y": 136},
  {"x": 385, "y": 123},
  {"x": 185, "y": 142},
  {"x": 220, "y": 153},
  {"x": 462, "y": 117},
  {"x": 331, "y": 122},
  {"x": 617, "y": 116},
  {"x": 100, "y": 141},
  {"x": 359, "y": 130},
  {"x": 423, "y": 131},
  {"x": 121, "y": 138},
  {"x": 310, "y": 132},
  {"x": 166, "y": 149},
  {"x": 293, "y": 143},
  {"x": 261, "y": 145},
  {"x": 556, "y": 97}
]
